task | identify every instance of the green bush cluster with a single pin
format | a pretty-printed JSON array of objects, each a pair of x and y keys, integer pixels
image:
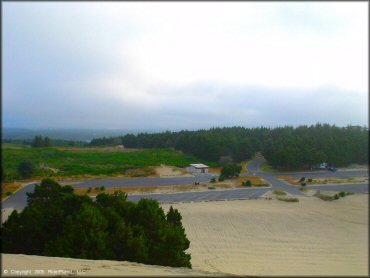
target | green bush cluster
[
  {"x": 288, "y": 199},
  {"x": 247, "y": 183},
  {"x": 231, "y": 170},
  {"x": 57, "y": 222},
  {"x": 342, "y": 194},
  {"x": 279, "y": 192},
  {"x": 326, "y": 197}
]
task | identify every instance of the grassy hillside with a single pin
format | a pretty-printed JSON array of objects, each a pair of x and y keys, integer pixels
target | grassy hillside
[{"x": 78, "y": 161}]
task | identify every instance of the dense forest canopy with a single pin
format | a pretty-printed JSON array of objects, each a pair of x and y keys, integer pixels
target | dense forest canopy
[
  {"x": 56, "y": 222},
  {"x": 283, "y": 147}
]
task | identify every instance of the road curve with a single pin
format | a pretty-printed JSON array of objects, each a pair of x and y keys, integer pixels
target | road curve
[
  {"x": 19, "y": 199},
  {"x": 254, "y": 169}
]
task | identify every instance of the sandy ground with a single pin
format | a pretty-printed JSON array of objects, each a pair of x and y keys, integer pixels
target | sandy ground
[
  {"x": 165, "y": 171},
  {"x": 270, "y": 237},
  {"x": 23, "y": 265},
  {"x": 252, "y": 237}
]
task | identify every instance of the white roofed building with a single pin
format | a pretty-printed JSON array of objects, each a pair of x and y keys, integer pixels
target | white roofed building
[{"x": 198, "y": 168}]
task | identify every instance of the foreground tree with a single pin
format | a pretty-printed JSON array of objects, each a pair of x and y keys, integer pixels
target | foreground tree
[
  {"x": 57, "y": 222},
  {"x": 231, "y": 170}
]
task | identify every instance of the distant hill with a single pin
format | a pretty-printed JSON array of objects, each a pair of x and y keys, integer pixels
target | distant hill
[{"x": 66, "y": 134}]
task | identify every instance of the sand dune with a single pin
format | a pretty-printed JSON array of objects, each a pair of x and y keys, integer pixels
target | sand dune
[
  {"x": 25, "y": 265},
  {"x": 270, "y": 237},
  {"x": 250, "y": 237}
]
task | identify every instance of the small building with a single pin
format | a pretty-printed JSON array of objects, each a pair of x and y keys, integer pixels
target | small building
[{"x": 198, "y": 168}]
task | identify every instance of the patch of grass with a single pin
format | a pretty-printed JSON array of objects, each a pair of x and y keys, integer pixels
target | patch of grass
[
  {"x": 77, "y": 162},
  {"x": 265, "y": 167},
  {"x": 290, "y": 180},
  {"x": 244, "y": 167},
  {"x": 287, "y": 199},
  {"x": 279, "y": 192},
  {"x": 255, "y": 181},
  {"x": 8, "y": 189},
  {"x": 324, "y": 197}
]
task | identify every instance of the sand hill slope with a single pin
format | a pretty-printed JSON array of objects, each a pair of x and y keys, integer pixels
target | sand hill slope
[
  {"x": 249, "y": 237},
  {"x": 25, "y": 265}
]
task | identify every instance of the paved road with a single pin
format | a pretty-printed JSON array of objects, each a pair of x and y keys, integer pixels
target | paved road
[
  {"x": 254, "y": 168},
  {"x": 230, "y": 194},
  {"x": 144, "y": 181},
  {"x": 19, "y": 199}
]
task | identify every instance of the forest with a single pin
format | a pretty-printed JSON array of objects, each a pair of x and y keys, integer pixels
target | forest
[
  {"x": 283, "y": 147},
  {"x": 56, "y": 222}
]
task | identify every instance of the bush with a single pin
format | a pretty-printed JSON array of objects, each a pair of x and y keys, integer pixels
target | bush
[
  {"x": 231, "y": 170},
  {"x": 310, "y": 180},
  {"x": 63, "y": 224},
  {"x": 303, "y": 184},
  {"x": 302, "y": 179},
  {"x": 221, "y": 178},
  {"x": 8, "y": 193},
  {"x": 102, "y": 188},
  {"x": 247, "y": 183},
  {"x": 336, "y": 196},
  {"x": 342, "y": 194},
  {"x": 213, "y": 180},
  {"x": 324, "y": 197},
  {"x": 89, "y": 190},
  {"x": 26, "y": 169},
  {"x": 288, "y": 199},
  {"x": 279, "y": 192}
]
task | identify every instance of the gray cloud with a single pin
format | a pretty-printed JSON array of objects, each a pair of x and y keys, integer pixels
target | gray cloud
[{"x": 74, "y": 67}]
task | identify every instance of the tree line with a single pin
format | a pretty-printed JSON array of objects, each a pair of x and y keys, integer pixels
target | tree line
[
  {"x": 284, "y": 147},
  {"x": 57, "y": 222}
]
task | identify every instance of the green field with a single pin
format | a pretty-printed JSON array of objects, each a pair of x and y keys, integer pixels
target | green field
[{"x": 79, "y": 162}]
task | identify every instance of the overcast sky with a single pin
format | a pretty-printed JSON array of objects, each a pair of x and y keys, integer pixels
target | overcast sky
[{"x": 173, "y": 65}]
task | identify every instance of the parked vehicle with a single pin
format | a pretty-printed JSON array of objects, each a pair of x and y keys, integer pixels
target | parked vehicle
[{"x": 333, "y": 169}]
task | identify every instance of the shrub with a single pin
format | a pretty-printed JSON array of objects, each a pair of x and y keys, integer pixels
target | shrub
[
  {"x": 248, "y": 183},
  {"x": 324, "y": 197},
  {"x": 8, "y": 193},
  {"x": 26, "y": 169},
  {"x": 102, "y": 188},
  {"x": 336, "y": 196},
  {"x": 303, "y": 184},
  {"x": 288, "y": 199},
  {"x": 310, "y": 180},
  {"x": 342, "y": 194},
  {"x": 213, "y": 180},
  {"x": 211, "y": 187},
  {"x": 221, "y": 178},
  {"x": 302, "y": 179},
  {"x": 303, "y": 189},
  {"x": 89, "y": 190},
  {"x": 279, "y": 192},
  {"x": 231, "y": 170}
]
